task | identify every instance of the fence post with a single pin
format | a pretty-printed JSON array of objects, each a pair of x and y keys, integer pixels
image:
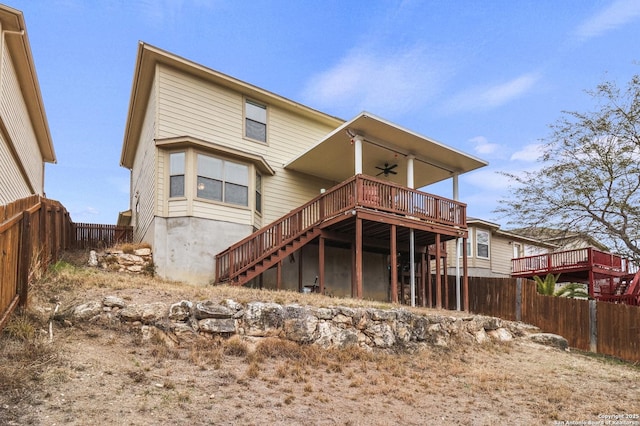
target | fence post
[
  {"x": 593, "y": 326},
  {"x": 24, "y": 258},
  {"x": 518, "y": 299}
]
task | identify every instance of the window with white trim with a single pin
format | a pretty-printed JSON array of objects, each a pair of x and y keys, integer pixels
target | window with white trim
[
  {"x": 222, "y": 180},
  {"x": 258, "y": 193},
  {"x": 482, "y": 244},
  {"x": 255, "y": 121},
  {"x": 176, "y": 174}
]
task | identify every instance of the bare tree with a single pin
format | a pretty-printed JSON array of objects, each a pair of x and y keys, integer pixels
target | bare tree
[{"x": 589, "y": 175}]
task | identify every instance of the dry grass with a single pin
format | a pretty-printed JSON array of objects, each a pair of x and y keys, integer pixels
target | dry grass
[{"x": 155, "y": 381}]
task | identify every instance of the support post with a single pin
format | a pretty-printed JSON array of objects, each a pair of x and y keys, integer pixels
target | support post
[
  {"x": 357, "y": 142},
  {"x": 458, "y": 298},
  {"x": 24, "y": 259},
  {"x": 358, "y": 258},
  {"x": 393, "y": 258},
  {"x": 518, "y": 299},
  {"x": 321, "y": 264},
  {"x": 423, "y": 278},
  {"x": 438, "y": 275},
  {"x": 279, "y": 275},
  {"x": 412, "y": 266},
  {"x": 465, "y": 275},
  {"x": 593, "y": 326}
]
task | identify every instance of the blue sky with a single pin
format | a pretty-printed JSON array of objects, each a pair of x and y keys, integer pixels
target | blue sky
[{"x": 486, "y": 77}]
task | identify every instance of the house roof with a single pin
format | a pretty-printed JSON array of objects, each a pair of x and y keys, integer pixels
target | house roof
[
  {"x": 17, "y": 41},
  {"x": 472, "y": 221},
  {"x": 333, "y": 157},
  {"x": 147, "y": 59},
  {"x": 560, "y": 237}
]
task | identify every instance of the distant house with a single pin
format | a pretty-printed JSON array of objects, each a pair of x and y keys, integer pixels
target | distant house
[
  {"x": 232, "y": 183},
  {"x": 25, "y": 140},
  {"x": 490, "y": 249}
]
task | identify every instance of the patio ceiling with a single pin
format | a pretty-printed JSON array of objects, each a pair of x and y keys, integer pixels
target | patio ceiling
[{"x": 333, "y": 157}]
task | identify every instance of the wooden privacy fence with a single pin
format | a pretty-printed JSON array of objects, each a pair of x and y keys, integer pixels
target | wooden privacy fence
[
  {"x": 33, "y": 232},
  {"x": 607, "y": 328},
  {"x": 91, "y": 235}
]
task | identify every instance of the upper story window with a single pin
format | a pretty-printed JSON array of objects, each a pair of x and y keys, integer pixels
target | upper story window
[
  {"x": 482, "y": 244},
  {"x": 222, "y": 180},
  {"x": 255, "y": 122},
  {"x": 176, "y": 174}
]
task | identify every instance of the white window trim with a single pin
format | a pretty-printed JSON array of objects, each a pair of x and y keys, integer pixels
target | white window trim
[
  {"x": 244, "y": 120},
  {"x": 488, "y": 244}
]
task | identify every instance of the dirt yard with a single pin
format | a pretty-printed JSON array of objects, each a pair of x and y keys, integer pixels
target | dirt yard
[{"x": 90, "y": 373}]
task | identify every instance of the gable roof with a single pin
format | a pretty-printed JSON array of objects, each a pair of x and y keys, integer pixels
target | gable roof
[
  {"x": 17, "y": 41},
  {"x": 147, "y": 59}
]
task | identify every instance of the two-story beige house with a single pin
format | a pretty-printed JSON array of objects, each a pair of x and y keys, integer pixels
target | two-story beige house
[
  {"x": 25, "y": 140},
  {"x": 233, "y": 183},
  {"x": 490, "y": 249}
]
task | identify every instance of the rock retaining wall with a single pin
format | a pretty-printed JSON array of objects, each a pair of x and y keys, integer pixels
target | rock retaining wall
[{"x": 330, "y": 326}]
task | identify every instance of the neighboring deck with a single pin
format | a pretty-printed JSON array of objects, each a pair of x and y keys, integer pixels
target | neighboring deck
[{"x": 610, "y": 277}]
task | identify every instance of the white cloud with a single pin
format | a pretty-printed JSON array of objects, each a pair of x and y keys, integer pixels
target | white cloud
[
  {"x": 486, "y": 179},
  {"x": 493, "y": 96},
  {"x": 384, "y": 82},
  {"x": 483, "y": 146},
  {"x": 619, "y": 13},
  {"x": 528, "y": 153}
]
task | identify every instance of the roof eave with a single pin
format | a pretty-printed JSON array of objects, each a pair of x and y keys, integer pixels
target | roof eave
[{"x": 18, "y": 45}]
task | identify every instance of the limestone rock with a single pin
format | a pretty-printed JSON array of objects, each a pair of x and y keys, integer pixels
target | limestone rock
[
  {"x": 550, "y": 339},
  {"x": 218, "y": 325},
  {"x": 180, "y": 311},
  {"x": 500, "y": 334},
  {"x": 87, "y": 310},
  {"x": 93, "y": 258},
  {"x": 114, "y": 302},
  {"x": 263, "y": 319},
  {"x": 210, "y": 309},
  {"x": 381, "y": 334},
  {"x": 142, "y": 252}
]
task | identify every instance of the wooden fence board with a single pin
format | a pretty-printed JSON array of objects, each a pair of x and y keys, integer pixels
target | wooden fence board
[{"x": 619, "y": 330}]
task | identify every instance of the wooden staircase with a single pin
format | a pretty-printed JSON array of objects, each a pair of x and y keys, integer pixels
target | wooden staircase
[
  {"x": 253, "y": 270},
  {"x": 627, "y": 291}
]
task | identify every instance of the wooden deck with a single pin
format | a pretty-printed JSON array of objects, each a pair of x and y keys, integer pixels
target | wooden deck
[
  {"x": 362, "y": 210},
  {"x": 610, "y": 277}
]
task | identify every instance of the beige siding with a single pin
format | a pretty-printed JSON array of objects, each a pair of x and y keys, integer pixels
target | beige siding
[
  {"x": 177, "y": 207},
  {"x": 188, "y": 106},
  {"x": 12, "y": 186},
  {"x": 15, "y": 118},
  {"x": 221, "y": 212},
  {"x": 143, "y": 176},
  {"x": 501, "y": 254}
]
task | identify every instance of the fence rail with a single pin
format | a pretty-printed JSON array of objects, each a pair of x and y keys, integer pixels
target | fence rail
[{"x": 33, "y": 233}]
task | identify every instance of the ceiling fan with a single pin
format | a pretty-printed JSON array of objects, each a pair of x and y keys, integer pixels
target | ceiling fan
[{"x": 387, "y": 169}]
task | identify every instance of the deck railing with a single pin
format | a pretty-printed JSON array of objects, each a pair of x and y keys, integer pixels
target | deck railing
[
  {"x": 358, "y": 191},
  {"x": 571, "y": 260}
]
